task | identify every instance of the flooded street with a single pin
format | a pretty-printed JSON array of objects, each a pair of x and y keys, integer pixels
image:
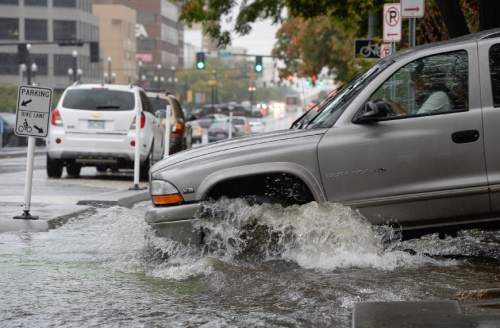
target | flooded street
[{"x": 103, "y": 270}]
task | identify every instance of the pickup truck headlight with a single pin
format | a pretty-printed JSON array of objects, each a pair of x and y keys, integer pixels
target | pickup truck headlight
[{"x": 165, "y": 193}]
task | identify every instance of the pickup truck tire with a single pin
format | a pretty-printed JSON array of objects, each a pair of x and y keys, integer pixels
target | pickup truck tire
[{"x": 276, "y": 188}]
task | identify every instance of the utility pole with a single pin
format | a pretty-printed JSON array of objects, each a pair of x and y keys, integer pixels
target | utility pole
[{"x": 213, "y": 83}]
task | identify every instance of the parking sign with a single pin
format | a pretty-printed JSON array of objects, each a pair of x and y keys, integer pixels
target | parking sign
[
  {"x": 385, "y": 50},
  {"x": 392, "y": 22},
  {"x": 33, "y": 111}
]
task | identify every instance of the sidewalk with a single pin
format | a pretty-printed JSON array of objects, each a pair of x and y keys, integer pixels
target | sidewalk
[
  {"x": 55, "y": 201},
  {"x": 9, "y": 152}
]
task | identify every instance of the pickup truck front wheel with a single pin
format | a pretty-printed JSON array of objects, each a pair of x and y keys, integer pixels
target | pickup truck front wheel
[{"x": 276, "y": 188}]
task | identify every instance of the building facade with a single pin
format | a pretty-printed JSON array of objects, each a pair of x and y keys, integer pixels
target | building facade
[
  {"x": 160, "y": 38},
  {"x": 39, "y": 21},
  {"x": 117, "y": 41}
]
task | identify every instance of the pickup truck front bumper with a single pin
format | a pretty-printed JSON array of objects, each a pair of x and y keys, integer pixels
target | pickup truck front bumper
[{"x": 176, "y": 223}]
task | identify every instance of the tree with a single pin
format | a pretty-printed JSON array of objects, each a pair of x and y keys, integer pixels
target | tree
[
  {"x": 211, "y": 12},
  {"x": 306, "y": 46},
  {"x": 340, "y": 22}
]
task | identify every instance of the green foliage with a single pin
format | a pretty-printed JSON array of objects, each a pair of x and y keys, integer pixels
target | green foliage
[
  {"x": 323, "y": 38},
  {"x": 8, "y": 98}
]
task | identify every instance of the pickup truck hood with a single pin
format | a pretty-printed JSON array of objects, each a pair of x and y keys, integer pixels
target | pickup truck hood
[{"x": 206, "y": 150}]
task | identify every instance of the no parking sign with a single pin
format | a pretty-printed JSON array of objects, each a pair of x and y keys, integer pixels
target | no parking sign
[{"x": 392, "y": 22}]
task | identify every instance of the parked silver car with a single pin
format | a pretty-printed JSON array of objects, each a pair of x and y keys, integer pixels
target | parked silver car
[{"x": 414, "y": 140}]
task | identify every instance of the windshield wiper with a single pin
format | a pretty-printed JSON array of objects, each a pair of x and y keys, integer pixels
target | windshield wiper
[{"x": 107, "y": 107}]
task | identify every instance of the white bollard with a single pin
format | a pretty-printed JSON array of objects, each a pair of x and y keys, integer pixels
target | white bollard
[
  {"x": 230, "y": 132},
  {"x": 28, "y": 182},
  {"x": 204, "y": 137},
  {"x": 168, "y": 130},
  {"x": 137, "y": 155}
]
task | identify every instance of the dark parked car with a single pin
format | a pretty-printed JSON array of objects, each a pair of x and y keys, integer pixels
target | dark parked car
[
  {"x": 9, "y": 139},
  {"x": 181, "y": 134}
]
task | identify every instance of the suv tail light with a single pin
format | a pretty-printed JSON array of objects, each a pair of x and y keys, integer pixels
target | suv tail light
[
  {"x": 143, "y": 122},
  {"x": 178, "y": 128},
  {"x": 56, "y": 118}
]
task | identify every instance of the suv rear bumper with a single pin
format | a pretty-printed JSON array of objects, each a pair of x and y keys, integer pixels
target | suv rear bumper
[
  {"x": 177, "y": 223},
  {"x": 93, "y": 149}
]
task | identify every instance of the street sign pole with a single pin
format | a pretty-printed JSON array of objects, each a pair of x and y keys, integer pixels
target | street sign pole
[
  {"x": 167, "y": 132},
  {"x": 32, "y": 120},
  {"x": 28, "y": 182},
  {"x": 411, "y": 31},
  {"x": 412, "y": 9}
]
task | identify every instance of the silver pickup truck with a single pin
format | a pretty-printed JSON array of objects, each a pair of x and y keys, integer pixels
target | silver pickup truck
[{"x": 414, "y": 140}]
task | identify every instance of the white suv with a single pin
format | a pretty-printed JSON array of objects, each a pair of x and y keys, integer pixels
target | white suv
[{"x": 94, "y": 125}]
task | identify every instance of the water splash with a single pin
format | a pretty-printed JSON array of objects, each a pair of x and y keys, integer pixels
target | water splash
[{"x": 315, "y": 236}]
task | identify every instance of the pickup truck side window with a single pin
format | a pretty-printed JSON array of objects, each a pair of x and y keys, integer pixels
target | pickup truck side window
[
  {"x": 495, "y": 73},
  {"x": 430, "y": 85}
]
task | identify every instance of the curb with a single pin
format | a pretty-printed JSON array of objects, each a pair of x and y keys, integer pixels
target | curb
[
  {"x": 59, "y": 221},
  {"x": 20, "y": 153},
  {"x": 126, "y": 201}
]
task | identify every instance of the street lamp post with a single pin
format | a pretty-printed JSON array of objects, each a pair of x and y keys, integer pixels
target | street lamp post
[
  {"x": 251, "y": 91},
  {"x": 159, "y": 76},
  {"x": 213, "y": 85},
  {"x": 109, "y": 70},
  {"x": 34, "y": 69},
  {"x": 173, "y": 79},
  {"x": 139, "y": 72},
  {"x": 75, "y": 65},
  {"x": 28, "y": 64}
]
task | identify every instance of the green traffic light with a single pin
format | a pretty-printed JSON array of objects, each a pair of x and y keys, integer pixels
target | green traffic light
[
  {"x": 200, "y": 65},
  {"x": 258, "y": 68}
]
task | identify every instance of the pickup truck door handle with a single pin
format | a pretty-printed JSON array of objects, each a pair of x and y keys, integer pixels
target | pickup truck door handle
[{"x": 465, "y": 136}]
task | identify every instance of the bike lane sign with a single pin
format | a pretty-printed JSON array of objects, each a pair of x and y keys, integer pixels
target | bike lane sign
[{"x": 33, "y": 111}]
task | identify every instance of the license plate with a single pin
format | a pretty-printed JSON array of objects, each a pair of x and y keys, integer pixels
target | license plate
[{"x": 94, "y": 124}]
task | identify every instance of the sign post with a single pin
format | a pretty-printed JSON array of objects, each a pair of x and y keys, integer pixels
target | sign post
[
  {"x": 412, "y": 9},
  {"x": 32, "y": 121},
  {"x": 167, "y": 131},
  {"x": 392, "y": 24}
]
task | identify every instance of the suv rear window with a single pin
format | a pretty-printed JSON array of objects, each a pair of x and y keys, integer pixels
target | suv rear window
[
  {"x": 158, "y": 103},
  {"x": 99, "y": 99},
  {"x": 238, "y": 121}
]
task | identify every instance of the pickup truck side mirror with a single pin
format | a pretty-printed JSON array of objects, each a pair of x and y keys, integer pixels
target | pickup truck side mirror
[{"x": 373, "y": 111}]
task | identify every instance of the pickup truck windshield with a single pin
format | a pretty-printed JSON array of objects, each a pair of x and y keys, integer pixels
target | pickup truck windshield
[{"x": 328, "y": 115}]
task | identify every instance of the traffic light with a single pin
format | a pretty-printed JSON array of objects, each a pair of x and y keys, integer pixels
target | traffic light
[
  {"x": 258, "y": 64},
  {"x": 313, "y": 80},
  {"x": 200, "y": 60},
  {"x": 22, "y": 53},
  {"x": 94, "y": 52}
]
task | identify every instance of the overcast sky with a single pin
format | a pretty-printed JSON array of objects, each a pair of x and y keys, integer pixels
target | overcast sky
[{"x": 259, "y": 41}]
